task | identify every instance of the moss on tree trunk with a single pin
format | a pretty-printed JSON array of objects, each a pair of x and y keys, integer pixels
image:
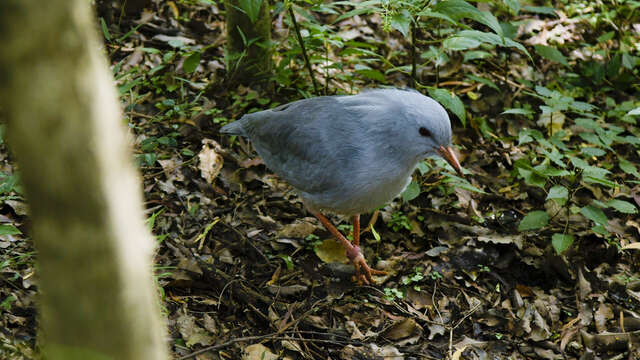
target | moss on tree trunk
[{"x": 97, "y": 299}]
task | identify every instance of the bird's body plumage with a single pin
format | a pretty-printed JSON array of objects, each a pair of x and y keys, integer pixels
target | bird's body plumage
[
  {"x": 349, "y": 154},
  {"x": 346, "y": 154}
]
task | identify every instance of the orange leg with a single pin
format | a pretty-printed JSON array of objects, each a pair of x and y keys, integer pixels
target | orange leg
[{"x": 353, "y": 250}]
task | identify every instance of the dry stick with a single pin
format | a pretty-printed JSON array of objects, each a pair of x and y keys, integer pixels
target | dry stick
[
  {"x": 269, "y": 337},
  {"x": 304, "y": 50}
]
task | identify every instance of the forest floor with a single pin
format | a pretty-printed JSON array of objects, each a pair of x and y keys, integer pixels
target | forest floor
[{"x": 534, "y": 255}]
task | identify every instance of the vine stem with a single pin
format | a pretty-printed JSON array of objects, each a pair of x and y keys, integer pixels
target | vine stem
[
  {"x": 414, "y": 70},
  {"x": 304, "y": 50}
]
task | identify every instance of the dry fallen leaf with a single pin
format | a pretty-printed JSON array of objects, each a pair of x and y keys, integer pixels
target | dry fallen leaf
[
  {"x": 258, "y": 352},
  {"x": 210, "y": 161},
  {"x": 331, "y": 251}
]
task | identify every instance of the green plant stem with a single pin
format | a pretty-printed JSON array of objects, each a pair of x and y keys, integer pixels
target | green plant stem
[
  {"x": 414, "y": 71},
  {"x": 304, "y": 50}
]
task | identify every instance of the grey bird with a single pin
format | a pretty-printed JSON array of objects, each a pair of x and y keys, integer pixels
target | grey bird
[{"x": 349, "y": 154}]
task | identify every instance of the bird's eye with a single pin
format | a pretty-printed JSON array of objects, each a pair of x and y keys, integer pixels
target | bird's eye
[{"x": 425, "y": 132}]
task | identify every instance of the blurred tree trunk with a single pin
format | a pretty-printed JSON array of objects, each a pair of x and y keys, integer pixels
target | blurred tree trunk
[
  {"x": 248, "y": 42},
  {"x": 97, "y": 299}
]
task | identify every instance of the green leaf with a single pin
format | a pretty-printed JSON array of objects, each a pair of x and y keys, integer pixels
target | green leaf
[
  {"x": 594, "y": 214},
  {"x": 481, "y": 80},
  {"x": 628, "y": 167},
  {"x": 532, "y": 178},
  {"x": 635, "y": 111},
  {"x": 459, "y": 182},
  {"x": 437, "y": 15},
  {"x": 370, "y": 73},
  {"x": 458, "y": 9},
  {"x": 561, "y": 242},
  {"x": 7, "y": 229},
  {"x": 450, "y": 101},
  {"x": 514, "y": 6},
  {"x": 423, "y": 167},
  {"x": 622, "y": 206},
  {"x": 401, "y": 22},
  {"x": 411, "y": 192},
  {"x": 591, "y": 151},
  {"x": 375, "y": 234},
  {"x": 191, "y": 62},
  {"x": 541, "y": 10},
  {"x": 518, "y": 111},
  {"x": 251, "y": 8},
  {"x": 534, "y": 220},
  {"x": 287, "y": 260},
  {"x": 551, "y": 53},
  {"x": 476, "y": 54},
  {"x": 105, "y": 29},
  {"x": 492, "y": 39},
  {"x": 460, "y": 43},
  {"x": 558, "y": 192}
]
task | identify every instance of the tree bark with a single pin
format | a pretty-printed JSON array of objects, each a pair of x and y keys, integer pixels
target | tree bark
[
  {"x": 97, "y": 299},
  {"x": 252, "y": 63}
]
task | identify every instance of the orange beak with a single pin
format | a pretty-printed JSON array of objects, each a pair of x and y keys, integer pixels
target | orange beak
[{"x": 448, "y": 154}]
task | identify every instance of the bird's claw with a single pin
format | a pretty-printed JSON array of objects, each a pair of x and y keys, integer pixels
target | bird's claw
[{"x": 366, "y": 276}]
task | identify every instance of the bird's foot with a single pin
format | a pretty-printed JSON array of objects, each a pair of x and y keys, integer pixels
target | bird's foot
[{"x": 366, "y": 276}]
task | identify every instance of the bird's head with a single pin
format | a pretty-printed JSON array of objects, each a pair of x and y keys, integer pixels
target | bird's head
[{"x": 429, "y": 128}]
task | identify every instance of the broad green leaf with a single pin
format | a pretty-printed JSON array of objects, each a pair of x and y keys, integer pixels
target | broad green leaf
[
  {"x": 591, "y": 151},
  {"x": 555, "y": 156},
  {"x": 492, "y": 39},
  {"x": 635, "y": 111},
  {"x": 622, "y": 206},
  {"x": 598, "y": 175},
  {"x": 541, "y": 10},
  {"x": 594, "y": 214},
  {"x": 461, "y": 183},
  {"x": 561, "y": 242},
  {"x": 191, "y": 62},
  {"x": 551, "y": 53},
  {"x": 476, "y": 54},
  {"x": 7, "y": 229},
  {"x": 450, "y": 101},
  {"x": 411, "y": 192},
  {"x": 251, "y": 8},
  {"x": 401, "y": 22},
  {"x": 558, "y": 192},
  {"x": 423, "y": 167},
  {"x": 481, "y": 80},
  {"x": 628, "y": 167},
  {"x": 361, "y": 9},
  {"x": 370, "y": 73},
  {"x": 458, "y": 9},
  {"x": 532, "y": 178},
  {"x": 460, "y": 43},
  {"x": 514, "y": 6},
  {"x": 534, "y": 220},
  {"x": 547, "y": 170},
  {"x": 437, "y": 15}
]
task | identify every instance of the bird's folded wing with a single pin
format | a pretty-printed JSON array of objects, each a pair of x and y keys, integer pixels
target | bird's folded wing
[{"x": 301, "y": 142}]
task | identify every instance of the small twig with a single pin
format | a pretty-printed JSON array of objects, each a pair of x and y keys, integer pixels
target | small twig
[
  {"x": 372, "y": 222},
  {"x": 304, "y": 50},
  {"x": 261, "y": 337}
]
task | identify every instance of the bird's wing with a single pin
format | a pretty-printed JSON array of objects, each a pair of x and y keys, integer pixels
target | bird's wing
[{"x": 305, "y": 142}]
